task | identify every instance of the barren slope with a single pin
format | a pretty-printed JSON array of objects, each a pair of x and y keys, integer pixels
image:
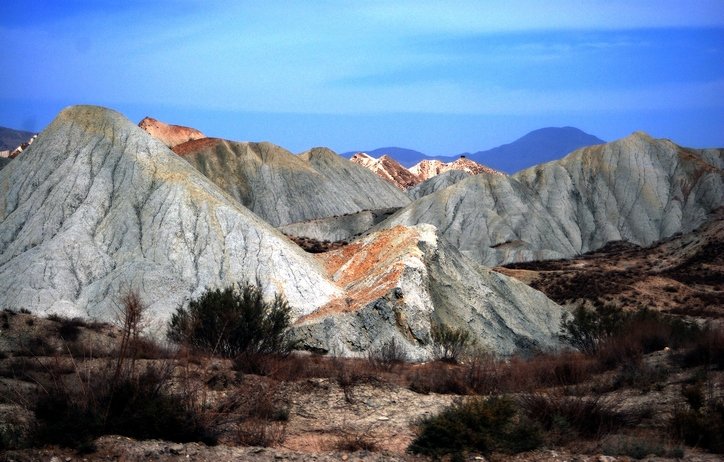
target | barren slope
[
  {"x": 401, "y": 281},
  {"x": 283, "y": 188},
  {"x": 96, "y": 207},
  {"x": 636, "y": 189},
  {"x": 682, "y": 274}
]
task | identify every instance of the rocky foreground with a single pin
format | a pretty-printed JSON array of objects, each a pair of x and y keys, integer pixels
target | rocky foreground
[{"x": 319, "y": 408}]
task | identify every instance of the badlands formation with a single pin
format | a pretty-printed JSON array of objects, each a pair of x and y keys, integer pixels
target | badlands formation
[
  {"x": 283, "y": 188},
  {"x": 636, "y": 189},
  {"x": 392, "y": 171},
  {"x": 97, "y": 207}
]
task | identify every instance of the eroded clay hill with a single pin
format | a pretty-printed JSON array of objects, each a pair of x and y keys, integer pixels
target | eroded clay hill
[
  {"x": 401, "y": 281},
  {"x": 97, "y": 207},
  {"x": 283, "y": 188},
  {"x": 636, "y": 189}
]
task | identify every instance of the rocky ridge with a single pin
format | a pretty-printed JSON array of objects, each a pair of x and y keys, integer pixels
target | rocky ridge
[
  {"x": 392, "y": 171},
  {"x": 427, "y": 169},
  {"x": 387, "y": 168},
  {"x": 636, "y": 189},
  {"x": 437, "y": 183},
  {"x": 283, "y": 188},
  {"x": 338, "y": 228},
  {"x": 170, "y": 135}
]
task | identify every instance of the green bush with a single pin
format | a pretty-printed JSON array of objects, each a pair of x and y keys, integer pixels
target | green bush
[
  {"x": 476, "y": 425},
  {"x": 233, "y": 322}
]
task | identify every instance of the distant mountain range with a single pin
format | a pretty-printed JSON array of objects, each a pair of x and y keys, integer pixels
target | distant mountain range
[
  {"x": 536, "y": 147},
  {"x": 11, "y": 138}
]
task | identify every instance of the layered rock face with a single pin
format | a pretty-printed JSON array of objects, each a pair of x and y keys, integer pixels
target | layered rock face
[
  {"x": 387, "y": 168},
  {"x": 97, "y": 207},
  {"x": 392, "y": 171},
  {"x": 401, "y": 281},
  {"x": 283, "y": 188},
  {"x": 170, "y": 135},
  {"x": 636, "y": 189},
  {"x": 427, "y": 169}
]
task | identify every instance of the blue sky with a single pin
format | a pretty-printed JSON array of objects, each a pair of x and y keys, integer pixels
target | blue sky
[{"x": 440, "y": 77}]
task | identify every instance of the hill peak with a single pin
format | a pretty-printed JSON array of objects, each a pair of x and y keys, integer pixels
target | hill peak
[{"x": 169, "y": 134}]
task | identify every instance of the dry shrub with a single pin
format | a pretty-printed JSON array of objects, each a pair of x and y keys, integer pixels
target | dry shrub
[
  {"x": 35, "y": 345},
  {"x": 352, "y": 372},
  {"x": 302, "y": 366},
  {"x": 565, "y": 418},
  {"x": 566, "y": 368},
  {"x": 121, "y": 397},
  {"x": 438, "y": 377},
  {"x": 260, "y": 412},
  {"x": 262, "y": 433},
  {"x": 639, "y": 447},
  {"x": 703, "y": 427},
  {"x": 706, "y": 350},
  {"x": 483, "y": 373},
  {"x": 356, "y": 441},
  {"x": 388, "y": 355}
]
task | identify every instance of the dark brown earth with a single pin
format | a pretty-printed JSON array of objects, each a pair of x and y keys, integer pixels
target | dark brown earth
[
  {"x": 336, "y": 405},
  {"x": 681, "y": 275}
]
